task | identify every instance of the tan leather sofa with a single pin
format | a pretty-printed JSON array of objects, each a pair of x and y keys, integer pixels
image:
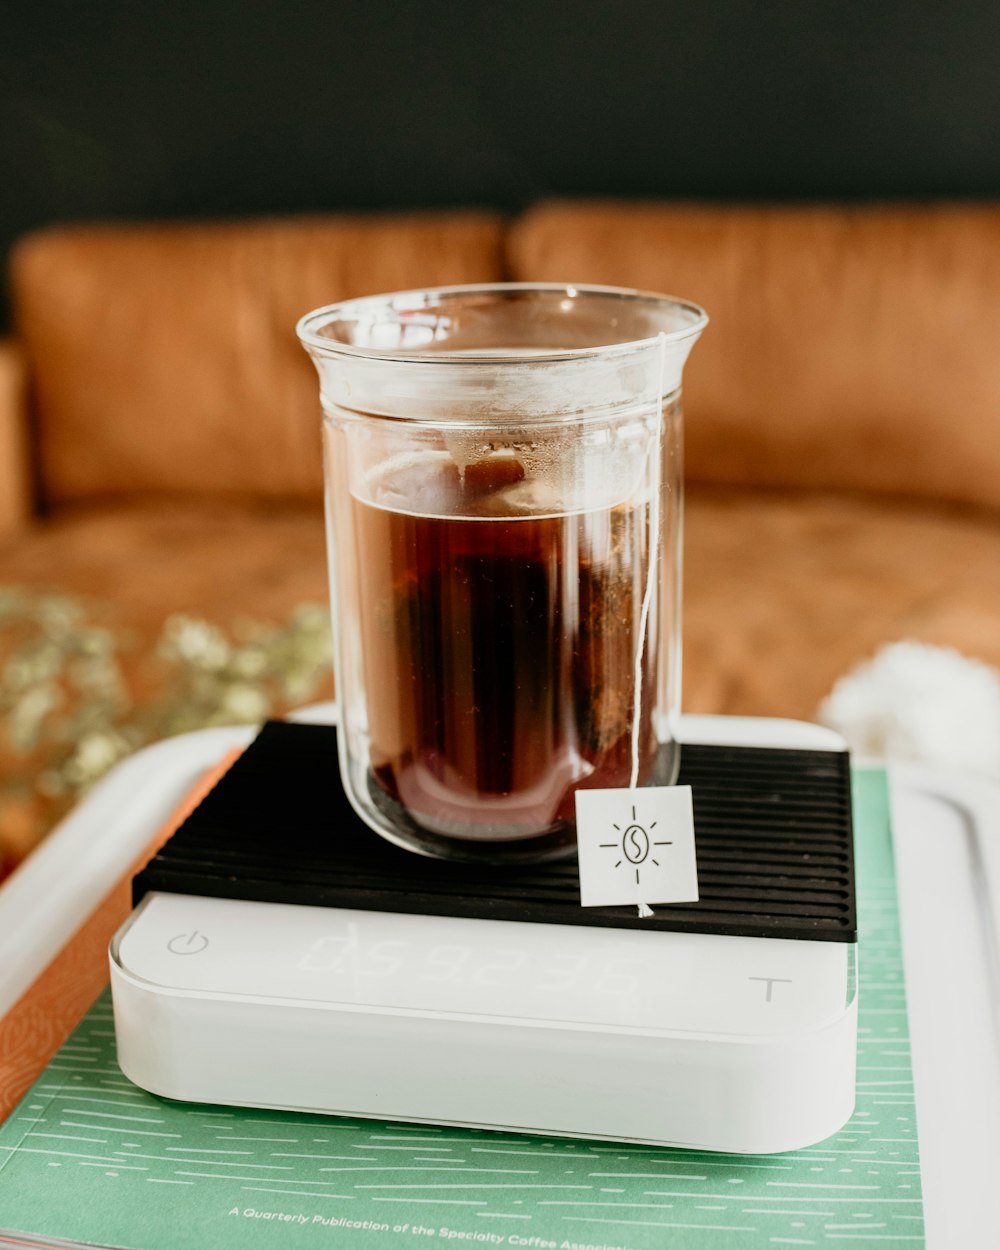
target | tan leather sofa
[{"x": 159, "y": 423}]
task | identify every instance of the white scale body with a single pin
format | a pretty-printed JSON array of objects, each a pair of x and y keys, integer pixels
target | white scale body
[{"x": 711, "y": 1042}]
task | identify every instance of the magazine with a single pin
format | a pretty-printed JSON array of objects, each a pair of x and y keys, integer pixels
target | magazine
[{"x": 89, "y": 1159}]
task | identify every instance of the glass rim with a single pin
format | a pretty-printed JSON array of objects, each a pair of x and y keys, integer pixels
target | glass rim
[{"x": 308, "y": 326}]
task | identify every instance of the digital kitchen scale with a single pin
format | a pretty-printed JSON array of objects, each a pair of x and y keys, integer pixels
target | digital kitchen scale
[{"x": 282, "y": 955}]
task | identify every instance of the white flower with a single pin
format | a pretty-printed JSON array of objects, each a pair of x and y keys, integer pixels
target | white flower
[
  {"x": 243, "y": 702},
  {"x": 94, "y": 755}
]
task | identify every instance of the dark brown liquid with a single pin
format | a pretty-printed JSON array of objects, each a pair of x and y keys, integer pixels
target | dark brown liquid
[{"x": 499, "y": 652}]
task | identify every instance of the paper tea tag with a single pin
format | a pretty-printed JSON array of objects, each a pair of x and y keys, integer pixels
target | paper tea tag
[{"x": 636, "y": 846}]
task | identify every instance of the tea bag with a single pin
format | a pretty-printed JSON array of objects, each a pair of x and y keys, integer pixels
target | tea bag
[{"x": 638, "y": 845}]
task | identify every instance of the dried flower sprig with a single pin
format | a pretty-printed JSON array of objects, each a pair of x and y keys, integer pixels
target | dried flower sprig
[{"x": 78, "y": 694}]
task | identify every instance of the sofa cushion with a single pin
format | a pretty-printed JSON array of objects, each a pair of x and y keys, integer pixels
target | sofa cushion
[
  {"x": 165, "y": 357},
  {"x": 15, "y": 503},
  {"x": 849, "y": 347},
  {"x": 784, "y": 593},
  {"x": 787, "y": 591},
  {"x": 147, "y": 559}
]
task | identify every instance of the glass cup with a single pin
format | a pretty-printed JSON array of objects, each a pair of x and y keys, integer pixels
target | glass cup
[{"x": 504, "y": 512}]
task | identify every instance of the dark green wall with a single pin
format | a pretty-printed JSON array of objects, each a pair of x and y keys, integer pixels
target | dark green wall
[{"x": 135, "y": 110}]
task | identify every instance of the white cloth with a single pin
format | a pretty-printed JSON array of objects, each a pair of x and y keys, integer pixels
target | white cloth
[{"x": 918, "y": 702}]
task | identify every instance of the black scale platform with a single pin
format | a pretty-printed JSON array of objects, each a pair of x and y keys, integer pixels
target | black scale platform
[{"x": 773, "y": 831}]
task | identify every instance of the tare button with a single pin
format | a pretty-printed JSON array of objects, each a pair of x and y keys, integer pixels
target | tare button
[{"x": 769, "y": 983}]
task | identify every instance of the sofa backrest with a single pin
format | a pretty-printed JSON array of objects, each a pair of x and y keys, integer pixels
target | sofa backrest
[
  {"x": 164, "y": 358},
  {"x": 849, "y": 348}
]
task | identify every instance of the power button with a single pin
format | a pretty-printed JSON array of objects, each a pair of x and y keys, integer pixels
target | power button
[{"x": 192, "y": 943}]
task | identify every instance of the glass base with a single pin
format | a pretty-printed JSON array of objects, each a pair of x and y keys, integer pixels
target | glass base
[{"x": 556, "y": 842}]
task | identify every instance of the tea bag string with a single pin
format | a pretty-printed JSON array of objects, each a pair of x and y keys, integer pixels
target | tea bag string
[
  {"x": 651, "y": 573},
  {"x": 652, "y": 562}
]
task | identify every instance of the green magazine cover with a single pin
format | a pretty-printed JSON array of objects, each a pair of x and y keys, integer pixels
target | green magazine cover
[{"x": 90, "y": 1159}]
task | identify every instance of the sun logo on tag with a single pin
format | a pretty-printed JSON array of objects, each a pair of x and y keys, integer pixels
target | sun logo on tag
[{"x": 635, "y": 845}]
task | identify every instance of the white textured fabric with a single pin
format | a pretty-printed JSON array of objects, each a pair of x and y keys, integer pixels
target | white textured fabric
[{"x": 918, "y": 702}]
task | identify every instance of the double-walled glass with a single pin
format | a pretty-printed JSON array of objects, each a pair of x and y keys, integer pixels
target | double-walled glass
[{"x": 503, "y": 477}]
